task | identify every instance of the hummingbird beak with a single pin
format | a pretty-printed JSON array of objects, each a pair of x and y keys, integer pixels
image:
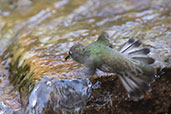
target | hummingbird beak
[{"x": 67, "y": 57}]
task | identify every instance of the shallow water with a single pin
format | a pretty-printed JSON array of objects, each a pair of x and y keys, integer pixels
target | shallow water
[
  {"x": 34, "y": 40},
  {"x": 9, "y": 98}
]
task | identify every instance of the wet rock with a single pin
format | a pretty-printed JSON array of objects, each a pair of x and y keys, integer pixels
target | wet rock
[{"x": 62, "y": 95}]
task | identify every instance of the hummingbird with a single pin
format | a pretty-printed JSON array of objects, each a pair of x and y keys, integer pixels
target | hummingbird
[{"x": 130, "y": 63}]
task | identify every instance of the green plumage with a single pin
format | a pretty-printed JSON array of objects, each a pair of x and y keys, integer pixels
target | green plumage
[{"x": 131, "y": 66}]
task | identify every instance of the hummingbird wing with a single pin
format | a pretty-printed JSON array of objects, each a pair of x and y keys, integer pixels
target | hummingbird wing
[{"x": 104, "y": 39}]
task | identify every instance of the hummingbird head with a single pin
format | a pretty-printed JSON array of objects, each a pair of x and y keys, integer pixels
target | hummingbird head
[{"x": 77, "y": 53}]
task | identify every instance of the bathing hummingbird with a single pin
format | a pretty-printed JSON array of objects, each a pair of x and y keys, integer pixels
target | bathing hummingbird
[{"x": 130, "y": 63}]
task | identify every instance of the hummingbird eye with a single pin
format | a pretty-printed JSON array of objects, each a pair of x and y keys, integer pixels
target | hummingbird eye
[{"x": 70, "y": 52}]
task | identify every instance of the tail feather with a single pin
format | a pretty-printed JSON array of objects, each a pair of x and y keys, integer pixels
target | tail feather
[
  {"x": 130, "y": 45},
  {"x": 136, "y": 86},
  {"x": 141, "y": 79},
  {"x": 132, "y": 88},
  {"x": 131, "y": 48},
  {"x": 146, "y": 59},
  {"x": 125, "y": 84},
  {"x": 143, "y": 51},
  {"x": 137, "y": 80},
  {"x": 126, "y": 45}
]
